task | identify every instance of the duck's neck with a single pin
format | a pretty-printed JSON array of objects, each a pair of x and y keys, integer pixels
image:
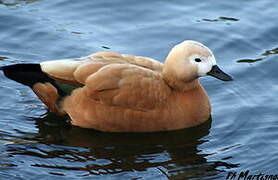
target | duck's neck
[{"x": 179, "y": 85}]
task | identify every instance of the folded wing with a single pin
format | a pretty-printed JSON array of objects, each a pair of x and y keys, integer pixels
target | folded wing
[
  {"x": 114, "y": 79},
  {"x": 127, "y": 86}
]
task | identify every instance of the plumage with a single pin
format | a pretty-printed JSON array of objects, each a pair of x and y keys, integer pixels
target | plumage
[{"x": 116, "y": 92}]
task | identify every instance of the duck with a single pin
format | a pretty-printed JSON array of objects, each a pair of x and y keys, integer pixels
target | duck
[{"x": 113, "y": 92}]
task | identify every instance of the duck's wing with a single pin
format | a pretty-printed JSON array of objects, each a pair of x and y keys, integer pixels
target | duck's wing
[
  {"x": 75, "y": 71},
  {"x": 113, "y": 79},
  {"x": 127, "y": 86}
]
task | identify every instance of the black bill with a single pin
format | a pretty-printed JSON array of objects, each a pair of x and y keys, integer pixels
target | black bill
[{"x": 219, "y": 74}]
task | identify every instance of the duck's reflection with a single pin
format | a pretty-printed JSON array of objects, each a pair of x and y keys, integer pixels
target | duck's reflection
[{"x": 172, "y": 154}]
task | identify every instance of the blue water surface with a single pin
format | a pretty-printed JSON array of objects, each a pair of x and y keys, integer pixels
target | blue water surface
[{"x": 242, "y": 134}]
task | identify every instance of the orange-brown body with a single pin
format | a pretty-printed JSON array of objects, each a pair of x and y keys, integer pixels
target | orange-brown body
[
  {"x": 124, "y": 93},
  {"x": 176, "y": 112}
]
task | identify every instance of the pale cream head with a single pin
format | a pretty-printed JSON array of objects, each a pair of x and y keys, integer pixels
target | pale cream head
[{"x": 188, "y": 61}]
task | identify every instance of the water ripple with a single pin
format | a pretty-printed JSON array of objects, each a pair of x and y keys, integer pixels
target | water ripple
[{"x": 243, "y": 130}]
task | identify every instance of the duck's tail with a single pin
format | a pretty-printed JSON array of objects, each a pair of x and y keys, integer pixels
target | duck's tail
[
  {"x": 27, "y": 74},
  {"x": 44, "y": 87}
]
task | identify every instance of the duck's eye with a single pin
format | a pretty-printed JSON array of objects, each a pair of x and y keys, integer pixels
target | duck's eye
[{"x": 198, "y": 60}]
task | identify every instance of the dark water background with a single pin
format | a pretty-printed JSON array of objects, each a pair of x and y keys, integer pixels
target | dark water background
[{"x": 243, "y": 132}]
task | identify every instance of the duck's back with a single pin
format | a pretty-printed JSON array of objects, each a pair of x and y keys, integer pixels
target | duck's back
[{"x": 76, "y": 71}]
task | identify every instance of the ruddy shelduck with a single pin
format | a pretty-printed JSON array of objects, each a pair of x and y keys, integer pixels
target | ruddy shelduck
[{"x": 115, "y": 92}]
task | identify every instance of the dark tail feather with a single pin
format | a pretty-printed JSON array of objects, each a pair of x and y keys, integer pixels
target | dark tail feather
[{"x": 27, "y": 74}]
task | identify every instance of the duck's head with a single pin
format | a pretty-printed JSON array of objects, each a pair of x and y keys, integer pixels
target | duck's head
[{"x": 190, "y": 60}]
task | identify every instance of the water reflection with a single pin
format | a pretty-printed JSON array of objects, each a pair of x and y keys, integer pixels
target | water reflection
[
  {"x": 16, "y": 2},
  {"x": 221, "y": 19},
  {"x": 3, "y": 58},
  {"x": 270, "y": 52},
  {"x": 62, "y": 147},
  {"x": 273, "y": 51},
  {"x": 249, "y": 60}
]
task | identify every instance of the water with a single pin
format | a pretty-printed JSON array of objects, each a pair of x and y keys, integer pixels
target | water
[{"x": 241, "y": 136}]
